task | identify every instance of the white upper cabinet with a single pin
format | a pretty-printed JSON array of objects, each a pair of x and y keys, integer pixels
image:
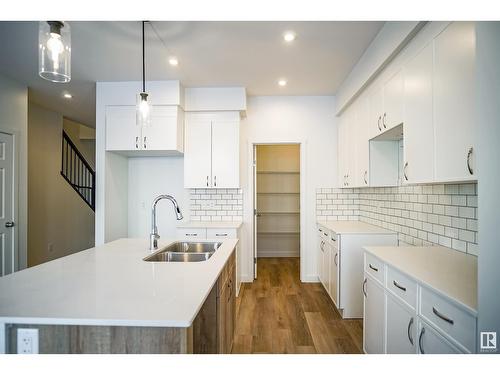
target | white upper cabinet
[
  {"x": 211, "y": 152},
  {"x": 163, "y": 136},
  {"x": 393, "y": 101},
  {"x": 376, "y": 110},
  {"x": 454, "y": 97},
  {"x": 122, "y": 132},
  {"x": 418, "y": 125},
  {"x": 226, "y": 152},
  {"x": 362, "y": 137},
  {"x": 198, "y": 152}
]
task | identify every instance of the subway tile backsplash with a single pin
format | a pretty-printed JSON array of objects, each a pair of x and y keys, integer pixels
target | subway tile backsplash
[
  {"x": 422, "y": 215},
  {"x": 216, "y": 204}
]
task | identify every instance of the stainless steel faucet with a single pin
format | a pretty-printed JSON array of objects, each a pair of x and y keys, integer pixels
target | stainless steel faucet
[{"x": 153, "y": 237}]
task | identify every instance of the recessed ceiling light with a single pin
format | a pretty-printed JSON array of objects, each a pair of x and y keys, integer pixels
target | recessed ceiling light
[
  {"x": 67, "y": 95},
  {"x": 282, "y": 82},
  {"x": 173, "y": 61},
  {"x": 289, "y": 36}
]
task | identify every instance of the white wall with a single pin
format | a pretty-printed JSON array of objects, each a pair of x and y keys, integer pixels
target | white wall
[
  {"x": 309, "y": 120},
  {"x": 147, "y": 178},
  {"x": 60, "y": 222},
  {"x": 488, "y": 155},
  {"x": 14, "y": 118}
]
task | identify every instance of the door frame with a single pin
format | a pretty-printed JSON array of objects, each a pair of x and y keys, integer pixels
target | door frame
[
  {"x": 15, "y": 196},
  {"x": 303, "y": 194}
]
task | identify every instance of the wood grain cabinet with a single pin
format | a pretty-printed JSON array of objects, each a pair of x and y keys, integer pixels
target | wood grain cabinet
[
  {"x": 226, "y": 307},
  {"x": 211, "y": 154}
]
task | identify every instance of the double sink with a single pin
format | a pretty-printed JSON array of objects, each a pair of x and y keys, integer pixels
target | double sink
[{"x": 181, "y": 251}]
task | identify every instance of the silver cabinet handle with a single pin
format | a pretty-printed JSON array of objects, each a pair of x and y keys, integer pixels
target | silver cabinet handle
[
  {"x": 9, "y": 224},
  {"x": 144, "y": 142},
  {"x": 191, "y": 234},
  {"x": 383, "y": 120},
  {"x": 378, "y": 123},
  {"x": 215, "y": 180},
  {"x": 334, "y": 239},
  {"x": 366, "y": 177},
  {"x": 399, "y": 286},
  {"x": 410, "y": 338},
  {"x": 207, "y": 180},
  {"x": 326, "y": 234},
  {"x": 469, "y": 154},
  {"x": 220, "y": 234},
  {"x": 335, "y": 259},
  {"x": 420, "y": 340},
  {"x": 373, "y": 268},
  {"x": 364, "y": 287},
  {"x": 444, "y": 317},
  {"x": 404, "y": 171},
  {"x": 322, "y": 246},
  {"x": 136, "y": 142},
  {"x": 347, "y": 179}
]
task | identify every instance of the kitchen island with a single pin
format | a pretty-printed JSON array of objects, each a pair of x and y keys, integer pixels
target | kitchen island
[{"x": 107, "y": 299}]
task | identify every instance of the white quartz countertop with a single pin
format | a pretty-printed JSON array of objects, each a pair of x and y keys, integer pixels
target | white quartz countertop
[
  {"x": 444, "y": 270},
  {"x": 353, "y": 227},
  {"x": 211, "y": 224},
  {"x": 111, "y": 285}
]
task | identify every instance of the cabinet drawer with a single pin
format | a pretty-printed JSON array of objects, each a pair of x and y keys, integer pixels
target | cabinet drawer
[
  {"x": 449, "y": 318},
  {"x": 402, "y": 286},
  {"x": 374, "y": 267},
  {"x": 191, "y": 233},
  {"x": 221, "y": 233}
]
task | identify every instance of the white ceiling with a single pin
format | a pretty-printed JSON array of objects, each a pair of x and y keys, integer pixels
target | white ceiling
[{"x": 249, "y": 54}]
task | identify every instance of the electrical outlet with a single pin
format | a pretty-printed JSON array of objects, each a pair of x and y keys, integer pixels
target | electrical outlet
[
  {"x": 50, "y": 247},
  {"x": 27, "y": 341}
]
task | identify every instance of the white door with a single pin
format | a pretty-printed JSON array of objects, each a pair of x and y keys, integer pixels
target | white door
[
  {"x": 361, "y": 139},
  {"x": 393, "y": 102},
  {"x": 374, "y": 317},
  {"x": 225, "y": 153},
  {"x": 454, "y": 103},
  {"x": 8, "y": 232},
  {"x": 198, "y": 152},
  {"x": 431, "y": 342},
  {"x": 334, "y": 275},
  {"x": 418, "y": 126},
  {"x": 255, "y": 212},
  {"x": 161, "y": 134},
  {"x": 376, "y": 103},
  {"x": 122, "y": 131},
  {"x": 401, "y": 328}
]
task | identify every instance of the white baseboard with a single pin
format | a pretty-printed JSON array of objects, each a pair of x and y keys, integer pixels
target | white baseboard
[{"x": 310, "y": 279}]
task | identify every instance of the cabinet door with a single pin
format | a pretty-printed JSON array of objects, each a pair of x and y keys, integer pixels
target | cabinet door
[
  {"x": 162, "y": 133},
  {"x": 393, "y": 102},
  {"x": 122, "y": 131},
  {"x": 341, "y": 151},
  {"x": 454, "y": 96},
  {"x": 401, "y": 328},
  {"x": 230, "y": 311},
  {"x": 221, "y": 320},
  {"x": 361, "y": 138},
  {"x": 418, "y": 125},
  {"x": 431, "y": 342},
  {"x": 376, "y": 100},
  {"x": 197, "y": 152},
  {"x": 325, "y": 266},
  {"x": 374, "y": 317},
  {"x": 334, "y": 275},
  {"x": 226, "y": 152}
]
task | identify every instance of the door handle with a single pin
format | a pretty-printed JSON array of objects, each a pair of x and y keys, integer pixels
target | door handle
[
  {"x": 469, "y": 154},
  {"x": 383, "y": 121},
  {"x": 373, "y": 268},
  {"x": 9, "y": 224},
  {"x": 144, "y": 142},
  {"x": 207, "y": 180},
  {"x": 397, "y": 285},
  {"x": 215, "y": 180},
  {"x": 136, "y": 142},
  {"x": 410, "y": 338},
  {"x": 420, "y": 340},
  {"x": 441, "y": 316},
  {"x": 335, "y": 259},
  {"x": 364, "y": 287}
]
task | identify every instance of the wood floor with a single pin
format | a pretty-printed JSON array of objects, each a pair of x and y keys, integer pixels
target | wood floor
[{"x": 279, "y": 314}]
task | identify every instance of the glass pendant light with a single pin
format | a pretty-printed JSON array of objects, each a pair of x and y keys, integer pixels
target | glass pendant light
[
  {"x": 143, "y": 106},
  {"x": 54, "y": 51}
]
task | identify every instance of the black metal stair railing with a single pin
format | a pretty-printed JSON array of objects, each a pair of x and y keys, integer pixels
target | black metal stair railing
[{"x": 77, "y": 171}]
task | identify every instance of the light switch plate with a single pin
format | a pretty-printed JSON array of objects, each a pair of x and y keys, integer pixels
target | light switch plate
[{"x": 27, "y": 341}]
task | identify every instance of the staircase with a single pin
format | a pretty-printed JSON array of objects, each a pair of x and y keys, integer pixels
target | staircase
[{"x": 77, "y": 171}]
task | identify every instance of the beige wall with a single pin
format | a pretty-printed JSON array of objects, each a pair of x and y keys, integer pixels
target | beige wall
[
  {"x": 14, "y": 119},
  {"x": 83, "y": 137},
  {"x": 60, "y": 222}
]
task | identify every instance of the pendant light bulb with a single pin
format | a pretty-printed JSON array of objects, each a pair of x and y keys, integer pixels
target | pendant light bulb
[
  {"x": 54, "y": 55},
  {"x": 143, "y": 117}
]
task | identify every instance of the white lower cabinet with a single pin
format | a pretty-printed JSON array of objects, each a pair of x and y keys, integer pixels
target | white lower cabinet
[
  {"x": 401, "y": 316},
  {"x": 431, "y": 342},
  {"x": 334, "y": 274},
  {"x": 401, "y": 327},
  {"x": 374, "y": 313}
]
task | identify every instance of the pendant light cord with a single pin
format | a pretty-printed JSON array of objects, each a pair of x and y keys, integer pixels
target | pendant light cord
[{"x": 143, "y": 60}]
